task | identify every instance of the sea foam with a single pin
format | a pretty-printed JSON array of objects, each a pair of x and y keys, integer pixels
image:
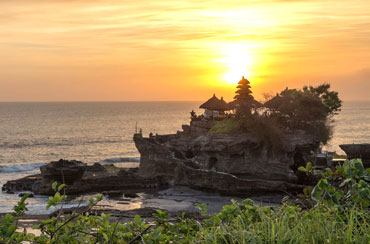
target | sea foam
[{"x": 20, "y": 167}]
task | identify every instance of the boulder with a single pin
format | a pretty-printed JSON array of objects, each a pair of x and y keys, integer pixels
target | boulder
[
  {"x": 355, "y": 151},
  {"x": 96, "y": 167},
  {"x": 131, "y": 195},
  {"x": 64, "y": 171}
]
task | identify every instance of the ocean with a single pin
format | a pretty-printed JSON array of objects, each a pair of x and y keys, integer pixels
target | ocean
[{"x": 32, "y": 134}]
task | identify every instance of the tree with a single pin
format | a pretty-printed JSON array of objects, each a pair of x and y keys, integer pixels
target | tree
[
  {"x": 244, "y": 97},
  {"x": 302, "y": 106},
  {"x": 308, "y": 109},
  {"x": 330, "y": 99}
]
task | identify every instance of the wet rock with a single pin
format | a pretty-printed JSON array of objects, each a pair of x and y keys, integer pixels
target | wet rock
[
  {"x": 113, "y": 194},
  {"x": 23, "y": 184},
  {"x": 131, "y": 195},
  {"x": 91, "y": 182},
  {"x": 96, "y": 167},
  {"x": 65, "y": 171}
]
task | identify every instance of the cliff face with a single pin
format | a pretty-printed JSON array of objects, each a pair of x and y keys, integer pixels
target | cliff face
[{"x": 230, "y": 163}]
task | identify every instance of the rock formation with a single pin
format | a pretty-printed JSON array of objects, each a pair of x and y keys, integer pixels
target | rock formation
[
  {"x": 63, "y": 171},
  {"x": 354, "y": 151},
  {"x": 228, "y": 163},
  {"x": 95, "y": 178}
]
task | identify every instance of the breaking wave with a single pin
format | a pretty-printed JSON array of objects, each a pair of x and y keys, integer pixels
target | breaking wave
[
  {"x": 56, "y": 143},
  {"x": 20, "y": 167}
]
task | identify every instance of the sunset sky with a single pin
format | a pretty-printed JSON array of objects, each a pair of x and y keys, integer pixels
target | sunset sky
[{"x": 106, "y": 50}]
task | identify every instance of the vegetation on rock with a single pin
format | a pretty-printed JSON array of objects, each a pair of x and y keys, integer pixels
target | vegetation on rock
[{"x": 310, "y": 109}]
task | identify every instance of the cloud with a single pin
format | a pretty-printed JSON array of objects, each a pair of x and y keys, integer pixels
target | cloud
[{"x": 306, "y": 38}]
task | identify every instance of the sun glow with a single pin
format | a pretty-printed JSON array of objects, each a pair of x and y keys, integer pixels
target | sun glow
[{"x": 238, "y": 61}]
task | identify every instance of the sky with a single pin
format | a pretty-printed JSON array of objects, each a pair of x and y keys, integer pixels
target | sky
[{"x": 107, "y": 50}]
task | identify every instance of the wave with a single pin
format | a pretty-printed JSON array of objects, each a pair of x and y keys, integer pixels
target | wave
[
  {"x": 58, "y": 143},
  {"x": 122, "y": 160},
  {"x": 20, "y": 167}
]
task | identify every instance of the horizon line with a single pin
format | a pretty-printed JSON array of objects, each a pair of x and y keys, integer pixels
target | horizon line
[{"x": 95, "y": 101}]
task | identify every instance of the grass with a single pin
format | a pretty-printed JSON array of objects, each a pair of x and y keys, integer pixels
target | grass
[
  {"x": 225, "y": 126},
  {"x": 289, "y": 224},
  {"x": 111, "y": 168}
]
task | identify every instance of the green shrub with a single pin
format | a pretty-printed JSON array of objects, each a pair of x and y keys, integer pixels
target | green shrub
[
  {"x": 225, "y": 126},
  {"x": 347, "y": 186},
  {"x": 266, "y": 129}
]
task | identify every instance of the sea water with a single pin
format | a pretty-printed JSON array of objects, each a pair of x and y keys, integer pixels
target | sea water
[{"x": 32, "y": 134}]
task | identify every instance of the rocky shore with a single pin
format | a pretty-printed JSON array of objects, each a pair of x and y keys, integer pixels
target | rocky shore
[
  {"x": 81, "y": 178},
  {"x": 233, "y": 164},
  {"x": 208, "y": 166}
]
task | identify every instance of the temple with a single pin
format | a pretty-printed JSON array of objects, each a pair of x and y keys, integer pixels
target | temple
[{"x": 215, "y": 108}]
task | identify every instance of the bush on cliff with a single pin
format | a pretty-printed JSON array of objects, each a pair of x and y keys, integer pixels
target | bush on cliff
[
  {"x": 339, "y": 213},
  {"x": 310, "y": 109},
  {"x": 228, "y": 125}
]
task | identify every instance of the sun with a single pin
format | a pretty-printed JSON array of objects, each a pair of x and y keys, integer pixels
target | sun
[{"x": 237, "y": 61}]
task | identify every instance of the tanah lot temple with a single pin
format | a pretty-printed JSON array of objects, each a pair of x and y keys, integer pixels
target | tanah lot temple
[{"x": 216, "y": 108}]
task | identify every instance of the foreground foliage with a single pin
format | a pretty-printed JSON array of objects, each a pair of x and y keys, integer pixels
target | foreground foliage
[{"x": 338, "y": 213}]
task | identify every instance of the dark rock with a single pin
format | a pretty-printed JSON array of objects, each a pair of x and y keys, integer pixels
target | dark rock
[
  {"x": 23, "y": 194},
  {"x": 228, "y": 163},
  {"x": 23, "y": 184},
  {"x": 63, "y": 171},
  {"x": 91, "y": 182},
  {"x": 131, "y": 195},
  {"x": 123, "y": 203},
  {"x": 355, "y": 151},
  {"x": 99, "y": 181},
  {"x": 113, "y": 194},
  {"x": 96, "y": 167}
]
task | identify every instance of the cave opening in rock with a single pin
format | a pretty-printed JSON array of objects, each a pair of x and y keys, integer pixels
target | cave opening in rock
[
  {"x": 212, "y": 163},
  {"x": 298, "y": 161},
  {"x": 189, "y": 154}
]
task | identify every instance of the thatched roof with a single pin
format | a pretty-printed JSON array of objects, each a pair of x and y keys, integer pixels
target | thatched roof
[
  {"x": 257, "y": 104},
  {"x": 274, "y": 103},
  {"x": 234, "y": 104},
  {"x": 215, "y": 104}
]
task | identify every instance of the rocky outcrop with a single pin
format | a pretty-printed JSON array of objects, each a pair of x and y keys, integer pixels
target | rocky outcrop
[
  {"x": 93, "y": 180},
  {"x": 361, "y": 151},
  {"x": 64, "y": 171},
  {"x": 229, "y": 163}
]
